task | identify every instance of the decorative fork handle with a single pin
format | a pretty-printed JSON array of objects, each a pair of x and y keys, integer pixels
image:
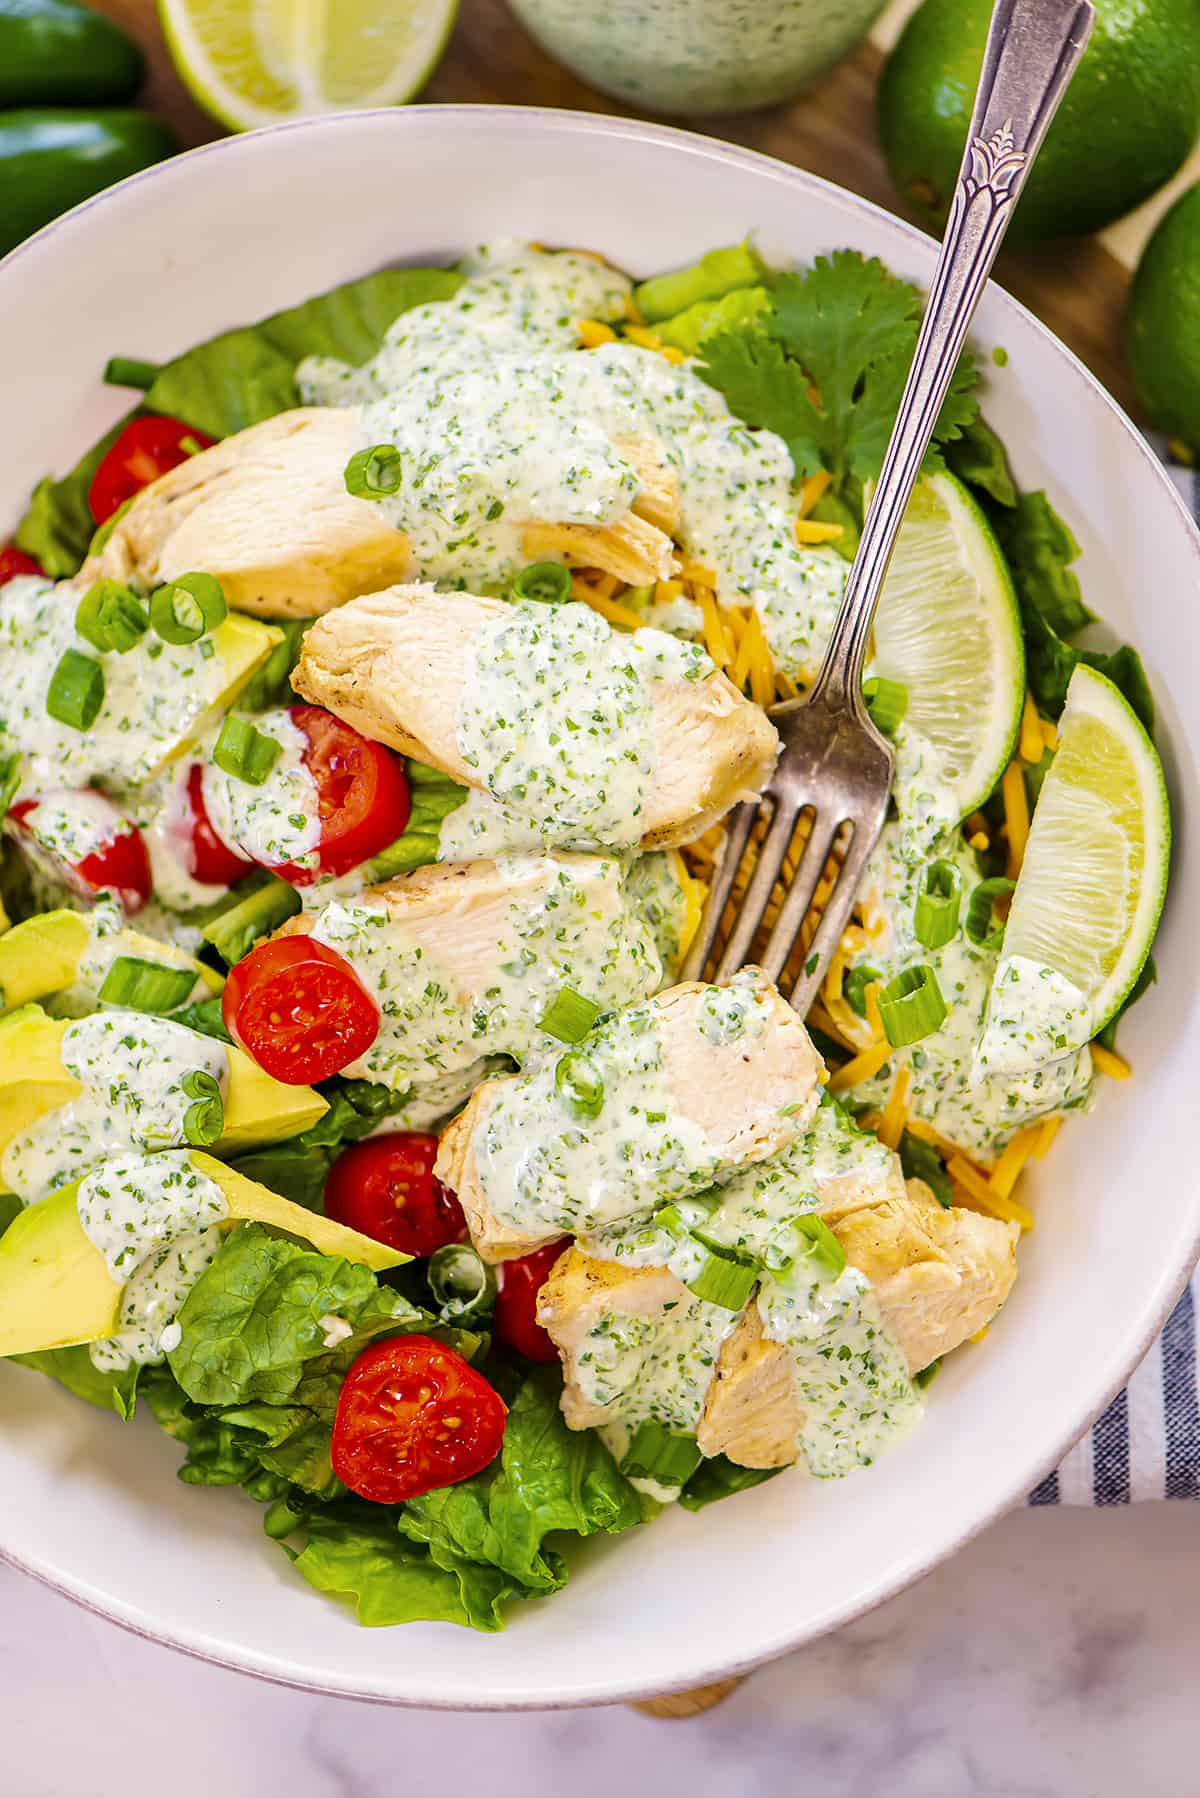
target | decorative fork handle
[{"x": 1033, "y": 48}]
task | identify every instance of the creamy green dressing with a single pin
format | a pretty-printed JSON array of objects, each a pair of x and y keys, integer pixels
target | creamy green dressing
[
  {"x": 279, "y": 820},
  {"x": 1034, "y": 1015},
  {"x": 852, "y": 1379},
  {"x": 501, "y": 420},
  {"x": 546, "y": 1169},
  {"x": 74, "y": 824},
  {"x": 655, "y": 1368},
  {"x": 979, "y": 1114},
  {"x": 557, "y": 719},
  {"x": 110, "y": 938},
  {"x": 570, "y": 923},
  {"x": 131, "y": 1067},
  {"x": 162, "y": 810},
  {"x": 155, "y": 695},
  {"x": 153, "y": 1297}
]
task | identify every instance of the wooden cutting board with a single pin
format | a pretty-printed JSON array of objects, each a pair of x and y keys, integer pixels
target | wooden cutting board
[{"x": 1079, "y": 289}]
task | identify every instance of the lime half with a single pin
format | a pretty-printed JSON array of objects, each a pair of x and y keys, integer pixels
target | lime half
[
  {"x": 254, "y": 62},
  {"x": 949, "y": 631},
  {"x": 1091, "y": 886}
]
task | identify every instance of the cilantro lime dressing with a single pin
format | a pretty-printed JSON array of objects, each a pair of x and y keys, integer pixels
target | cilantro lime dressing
[
  {"x": 162, "y": 809},
  {"x": 136, "y": 1202},
  {"x": 980, "y": 1115},
  {"x": 501, "y": 420},
  {"x": 569, "y": 923},
  {"x": 547, "y": 1166},
  {"x": 154, "y": 696},
  {"x": 279, "y": 820},
  {"x": 657, "y": 1367},
  {"x": 74, "y": 824},
  {"x": 131, "y": 1069},
  {"x": 852, "y": 1379},
  {"x": 556, "y": 719},
  {"x": 1034, "y": 1015},
  {"x": 110, "y": 938},
  {"x": 655, "y": 887},
  {"x": 480, "y": 827},
  {"x": 153, "y": 1297},
  {"x": 923, "y": 792}
]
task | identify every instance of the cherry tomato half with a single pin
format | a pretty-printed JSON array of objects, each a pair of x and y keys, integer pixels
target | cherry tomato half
[
  {"x": 146, "y": 448},
  {"x": 118, "y": 861},
  {"x": 299, "y": 1009},
  {"x": 412, "y": 1416},
  {"x": 515, "y": 1322},
  {"x": 385, "y": 1187},
  {"x": 210, "y": 860},
  {"x": 362, "y": 794},
  {"x": 14, "y": 561}
]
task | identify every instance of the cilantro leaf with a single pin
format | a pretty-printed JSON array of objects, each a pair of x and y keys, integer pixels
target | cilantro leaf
[{"x": 825, "y": 366}]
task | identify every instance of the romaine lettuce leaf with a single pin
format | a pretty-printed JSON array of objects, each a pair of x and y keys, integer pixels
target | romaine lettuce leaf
[
  {"x": 58, "y": 526},
  {"x": 718, "y": 1478},
  {"x": 434, "y": 796},
  {"x": 355, "y": 1553},
  {"x": 252, "y": 1325},
  {"x": 297, "y": 1168},
  {"x": 248, "y": 374},
  {"x": 72, "y": 1368}
]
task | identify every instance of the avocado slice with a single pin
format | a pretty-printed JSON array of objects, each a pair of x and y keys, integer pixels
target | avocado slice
[
  {"x": 42, "y": 955},
  {"x": 34, "y": 1081},
  {"x": 55, "y": 1287}
]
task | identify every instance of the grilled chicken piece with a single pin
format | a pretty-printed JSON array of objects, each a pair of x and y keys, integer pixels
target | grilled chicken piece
[
  {"x": 632, "y": 548},
  {"x": 735, "y": 1091},
  {"x": 658, "y": 501},
  {"x": 394, "y": 665},
  {"x": 267, "y": 512},
  {"x": 939, "y": 1276}
]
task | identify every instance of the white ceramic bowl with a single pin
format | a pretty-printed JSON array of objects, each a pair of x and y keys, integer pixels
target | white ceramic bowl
[{"x": 240, "y": 228}]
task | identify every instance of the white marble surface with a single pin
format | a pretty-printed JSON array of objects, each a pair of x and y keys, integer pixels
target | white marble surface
[{"x": 1054, "y": 1658}]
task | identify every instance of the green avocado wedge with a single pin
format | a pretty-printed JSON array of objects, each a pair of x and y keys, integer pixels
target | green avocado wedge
[
  {"x": 44, "y": 954},
  {"x": 55, "y": 1287},
  {"x": 34, "y": 1081}
]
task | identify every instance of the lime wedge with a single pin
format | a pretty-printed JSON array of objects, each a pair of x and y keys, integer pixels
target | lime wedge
[
  {"x": 1090, "y": 890},
  {"x": 254, "y": 62},
  {"x": 949, "y": 631}
]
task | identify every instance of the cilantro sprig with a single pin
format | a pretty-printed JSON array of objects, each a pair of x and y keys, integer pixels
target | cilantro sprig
[{"x": 824, "y": 367}]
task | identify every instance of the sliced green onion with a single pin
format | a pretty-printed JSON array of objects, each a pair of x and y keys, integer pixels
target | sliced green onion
[
  {"x": 139, "y": 985},
  {"x": 256, "y": 905},
  {"x": 682, "y": 1217},
  {"x": 887, "y": 702},
  {"x": 547, "y": 582},
  {"x": 244, "y": 752},
  {"x": 855, "y": 984},
  {"x": 76, "y": 690},
  {"x": 187, "y": 608},
  {"x": 375, "y": 472},
  {"x": 461, "y": 1282},
  {"x": 936, "y": 918},
  {"x": 657, "y": 1453},
  {"x": 928, "y": 1373},
  {"x": 821, "y": 1247},
  {"x": 919, "y": 1160},
  {"x": 204, "y": 1121},
  {"x": 128, "y": 371},
  {"x": 724, "y": 1282},
  {"x": 579, "y": 1086},
  {"x": 980, "y": 906},
  {"x": 912, "y": 1006},
  {"x": 101, "y": 536},
  {"x": 10, "y": 779},
  {"x": 569, "y": 1016},
  {"x": 111, "y": 616}
]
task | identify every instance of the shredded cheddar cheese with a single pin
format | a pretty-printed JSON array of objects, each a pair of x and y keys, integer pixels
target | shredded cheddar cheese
[
  {"x": 1007, "y": 1171},
  {"x": 980, "y": 841},
  {"x": 1016, "y": 815},
  {"x": 895, "y": 1112},
  {"x": 975, "y": 1188},
  {"x": 1030, "y": 744},
  {"x": 863, "y": 1067},
  {"x": 695, "y": 571},
  {"x": 608, "y": 608},
  {"x": 1047, "y": 1130},
  {"x": 716, "y": 637},
  {"x": 1049, "y": 733},
  {"x": 592, "y": 333},
  {"x": 812, "y": 489},
  {"x": 1106, "y": 1062},
  {"x": 811, "y": 530}
]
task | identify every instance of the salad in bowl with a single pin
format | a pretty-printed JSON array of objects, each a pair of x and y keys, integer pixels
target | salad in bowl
[{"x": 375, "y": 695}]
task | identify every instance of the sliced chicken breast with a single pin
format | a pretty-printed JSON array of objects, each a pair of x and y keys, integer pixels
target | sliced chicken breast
[
  {"x": 749, "y": 1097},
  {"x": 939, "y": 1277},
  {"x": 267, "y": 512},
  {"x": 395, "y": 664}
]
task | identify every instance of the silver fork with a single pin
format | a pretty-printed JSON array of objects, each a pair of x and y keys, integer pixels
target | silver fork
[{"x": 834, "y": 762}]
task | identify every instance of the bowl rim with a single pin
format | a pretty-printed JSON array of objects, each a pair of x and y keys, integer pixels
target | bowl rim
[{"x": 1171, "y": 1282}]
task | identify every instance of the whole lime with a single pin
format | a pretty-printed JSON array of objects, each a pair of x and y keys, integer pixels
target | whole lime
[
  {"x": 1129, "y": 118},
  {"x": 1162, "y": 328}
]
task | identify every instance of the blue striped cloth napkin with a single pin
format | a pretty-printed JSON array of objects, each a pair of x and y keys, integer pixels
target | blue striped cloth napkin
[{"x": 1147, "y": 1443}]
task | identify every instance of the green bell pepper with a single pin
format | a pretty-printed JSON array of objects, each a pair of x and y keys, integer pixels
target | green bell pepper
[
  {"x": 51, "y": 159},
  {"x": 54, "y": 53}
]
